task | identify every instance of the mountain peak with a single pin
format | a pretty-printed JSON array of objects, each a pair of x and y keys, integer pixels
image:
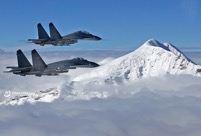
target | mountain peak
[
  {"x": 151, "y": 59},
  {"x": 154, "y": 42},
  {"x": 166, "y": 46}
]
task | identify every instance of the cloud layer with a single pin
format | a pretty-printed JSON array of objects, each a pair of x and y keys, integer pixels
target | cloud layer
[
  {"x": 156, "y": 106},
  {"x": 143, "y": 114}
]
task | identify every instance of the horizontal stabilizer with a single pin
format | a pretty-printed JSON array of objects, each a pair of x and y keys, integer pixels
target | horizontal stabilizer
[
  {"x": 37, "y": 40},
  {"x": 6, "y": 72},
  {"x": 21, "y": 69},
  {"x": 12, "y": 67}
]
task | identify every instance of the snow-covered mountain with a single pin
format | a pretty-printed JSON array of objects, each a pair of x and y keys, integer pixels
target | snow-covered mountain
[
  {"x": 19, "y": 98},
  {"x": 151, "y": 59}
]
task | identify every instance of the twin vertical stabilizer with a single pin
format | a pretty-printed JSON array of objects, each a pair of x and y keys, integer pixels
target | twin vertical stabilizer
[{"x": 23, "y": 62}]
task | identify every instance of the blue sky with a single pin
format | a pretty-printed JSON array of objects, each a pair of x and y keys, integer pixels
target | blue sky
[{"x": 123, "y": 24}]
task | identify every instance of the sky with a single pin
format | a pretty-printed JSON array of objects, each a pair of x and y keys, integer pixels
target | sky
[
  {"x": 123, "y": 24},
  {"x": 157, "y": 106}
]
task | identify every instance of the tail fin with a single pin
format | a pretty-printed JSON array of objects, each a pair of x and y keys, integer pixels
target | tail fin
[
  {"x": 37, "y": 60},
  {"x": 54, "y": 32},
  {"x": 22, "y": 60},
  {"x": 42, "y": 34}
]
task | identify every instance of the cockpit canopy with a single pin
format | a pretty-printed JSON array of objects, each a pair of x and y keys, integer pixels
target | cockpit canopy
[
  {"x": 85, "y": 32},
  {"x": 78, "y": 58}
]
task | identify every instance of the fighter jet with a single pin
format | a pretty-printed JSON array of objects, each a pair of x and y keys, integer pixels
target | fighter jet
[
  {"x": 56, "y": 39},
  {"x": 40, "y": 68}
]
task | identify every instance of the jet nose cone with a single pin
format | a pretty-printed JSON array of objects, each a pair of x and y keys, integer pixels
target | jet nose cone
[
  {"x": 98, "y": 38},
  {"x": 93, "y": 64}
]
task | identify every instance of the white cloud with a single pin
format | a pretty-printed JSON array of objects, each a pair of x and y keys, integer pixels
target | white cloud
[
  {"x": 155, "y": 106},
  {"x": 143, "y": 114}
]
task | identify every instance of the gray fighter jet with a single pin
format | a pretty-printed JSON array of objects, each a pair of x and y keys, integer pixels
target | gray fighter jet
[
  {"x": 40, "y": 68},
  {"x": 56, "y": 39}
]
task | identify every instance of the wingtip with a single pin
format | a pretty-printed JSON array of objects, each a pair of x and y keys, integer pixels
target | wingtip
[{"x": 6, "y": 71}]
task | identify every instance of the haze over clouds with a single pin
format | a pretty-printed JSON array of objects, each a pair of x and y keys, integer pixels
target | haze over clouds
[{"x": 145, "y": 113}]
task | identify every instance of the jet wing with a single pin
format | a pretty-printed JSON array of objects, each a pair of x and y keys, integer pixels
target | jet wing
[
  {"x": 39, "y": 73},
  {"x": 71, "y": 41},
  {"x": 67, "y": 67},
  {"x": 64, "y": 42},
  {"x": 21, "y": 69},
  {"x": 12, "y": 67},
  {"x": 37, "y": 40},
  {"x": 61, "y": 68}
]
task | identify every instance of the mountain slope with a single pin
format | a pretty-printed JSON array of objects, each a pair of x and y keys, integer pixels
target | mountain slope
[
  {"x": 151, "y": 59},
  {"x": 19, "y": 98}
]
